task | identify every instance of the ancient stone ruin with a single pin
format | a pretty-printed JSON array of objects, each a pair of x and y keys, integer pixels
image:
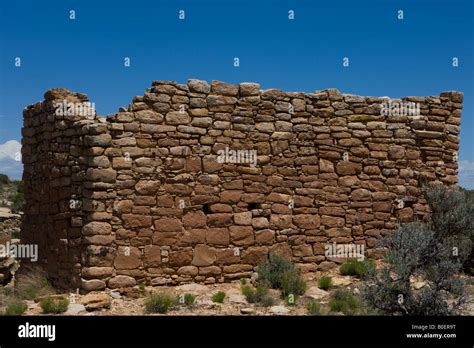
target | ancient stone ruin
[{"x": 200, "y": 182}]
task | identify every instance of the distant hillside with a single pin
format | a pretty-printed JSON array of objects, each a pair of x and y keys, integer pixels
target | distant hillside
[{"x": 11, "y": 193}]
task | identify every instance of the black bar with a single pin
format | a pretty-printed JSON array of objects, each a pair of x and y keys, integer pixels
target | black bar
[{"x": 243, "y": 331}]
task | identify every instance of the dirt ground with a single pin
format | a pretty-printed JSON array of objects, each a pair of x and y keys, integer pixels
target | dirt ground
[{"x": 131, "y": 301}]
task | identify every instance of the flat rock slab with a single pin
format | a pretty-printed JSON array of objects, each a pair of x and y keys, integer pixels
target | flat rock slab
[
  {"x": 95, "y": 301},
  {"x": 279, "y": 310},
  {"x": 316, "y": 293},
  {"x": 75, "y": 308},
  {"x": 341, "y": 281}
]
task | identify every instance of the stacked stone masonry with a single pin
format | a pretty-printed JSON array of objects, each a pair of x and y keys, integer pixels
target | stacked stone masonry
[{"x": 142, "y": 197}]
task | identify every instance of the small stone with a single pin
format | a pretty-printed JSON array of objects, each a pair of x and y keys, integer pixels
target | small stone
[
  {"x": 247, "y": 310},
  {"x": 95, "y": 301},
  {"x": 75, "y": 309},
  {"x": 341, "y": 281},
  {"x": 316, "y": 293}
]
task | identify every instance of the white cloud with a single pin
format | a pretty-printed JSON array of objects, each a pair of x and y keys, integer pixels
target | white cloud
[
  {"x": 10, "y": 149},
  {"x": 466, "y": 174},
  {"x": 10, "y": 159}
]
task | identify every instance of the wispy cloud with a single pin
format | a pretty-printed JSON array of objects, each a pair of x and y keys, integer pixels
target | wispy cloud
[{"x": 466, "y": 174}]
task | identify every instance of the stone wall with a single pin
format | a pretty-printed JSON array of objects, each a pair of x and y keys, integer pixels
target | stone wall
[{"x": 147, "y": 195}]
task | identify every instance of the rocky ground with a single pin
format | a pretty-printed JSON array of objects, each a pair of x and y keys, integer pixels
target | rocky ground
[
  {"x": 9, "y": 226},
  {"x": 130, "y": 301}
]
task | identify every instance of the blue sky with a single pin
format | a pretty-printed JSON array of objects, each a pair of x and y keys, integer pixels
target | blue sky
[{"x": 388, "y": 57}]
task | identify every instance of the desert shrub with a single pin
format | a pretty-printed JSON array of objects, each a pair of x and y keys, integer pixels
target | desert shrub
[
  {"x": 451, "y": 219},
  {"x": 313, "y": 308},
  {"x": 32, "y": 284},
  {"x": 141, "y": 286},
  {"x": 259, "y": 295},
  {"x": 272, "y": 270},
  {"x": 267, "y": 301},
  {"x": 159, "y": 303},
  {"x": 280, "y": 273},
  {"x": 345, "y": 302},
  {"x": 292, "y": 283},
  {"x": 16, "y": 307},
  {"x": 248, "y": 292},
  {"x": 218, "y": 297},
  {"x": 186, "y": 299},
  {"x": 431, "y": 253},
  {"x": 54, "y": 305},
  {"x": 356, "y": 268},
  {"x": 325, "y": 282}
]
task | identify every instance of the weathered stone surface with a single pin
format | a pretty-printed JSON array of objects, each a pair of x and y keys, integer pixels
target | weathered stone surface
[
  {"x": 127, "y": 258},
  {"x": 147, "y": 187},
  {"x": 134, "y": 220},
  {"x": 121, "y": 281},
  {"x": 177, "y": 118},
  {"x": 203, "y": 256},
  {"x": 219, "y": 87},
  {"x": 199, "y": 86},
  {"x": 249, "y": 88},
  {"x": 241, "y": 235},
  {"x": 96, "y": 227},
  {"x": 166, "y": 224},
  {"x": 95, "y": 301}
]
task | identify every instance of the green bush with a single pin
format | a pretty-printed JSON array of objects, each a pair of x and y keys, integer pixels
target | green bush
[
  {"x": 218, "y": 297},
  {"x": 325, "y": 282},
  {"x": 433, "y": 251},
  {"x": 259, "y": 295},
  {"x": 16, "y": 308},
  {"x": 141, "y": 286},
  {"x": 359, "y": 269},
  {"x": 186, "y": 299},
  {"x": 313, "y": 308},
  {"x": 271, "y": 271},
  {"x": 267, "y": 301},
  {"x": 249, "y": 293},
  {"x": 292, "y": 283},
  {"x": 54, "y": 305},
  {"x": 280, "y": 273},
  {"x": 343, "y": 301},
  {"x": 159, "y": 303}
]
